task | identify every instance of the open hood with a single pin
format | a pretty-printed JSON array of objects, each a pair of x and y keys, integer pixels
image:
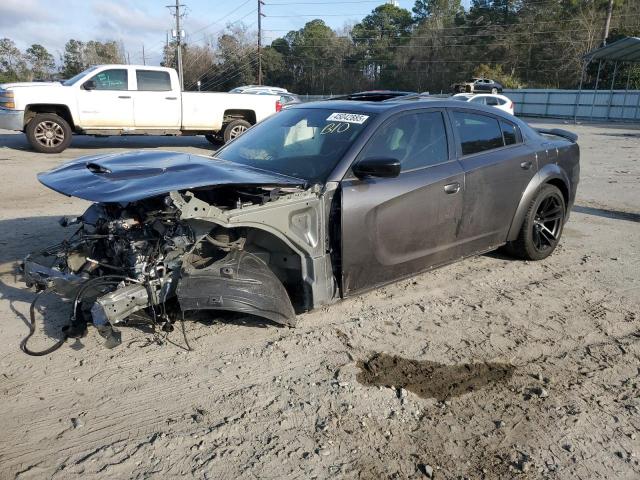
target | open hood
[{"x": 132, "y": 176}]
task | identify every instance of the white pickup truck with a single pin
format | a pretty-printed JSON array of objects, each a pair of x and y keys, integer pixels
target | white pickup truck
[{"x": 125, "y": 100}]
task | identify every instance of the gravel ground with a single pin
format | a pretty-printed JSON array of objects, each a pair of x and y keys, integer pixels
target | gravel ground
[{"x": 489, "y": 368}]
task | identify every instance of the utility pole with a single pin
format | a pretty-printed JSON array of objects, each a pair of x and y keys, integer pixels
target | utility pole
[
  {"x": 178, "y": 36},
  {"x": 144, "y": 59},
  {"x": 607, "y": 22},
  {"x": 260, "y": 15}
]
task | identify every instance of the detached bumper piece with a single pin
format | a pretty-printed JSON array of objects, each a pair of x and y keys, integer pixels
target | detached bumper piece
[{"x": 239, "y": 282}]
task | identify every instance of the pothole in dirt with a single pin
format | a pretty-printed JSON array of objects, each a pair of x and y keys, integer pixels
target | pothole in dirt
[{"x": 431, "y": 379}]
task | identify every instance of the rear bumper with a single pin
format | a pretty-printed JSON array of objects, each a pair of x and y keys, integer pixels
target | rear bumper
[{"x": 11, "y": 119}]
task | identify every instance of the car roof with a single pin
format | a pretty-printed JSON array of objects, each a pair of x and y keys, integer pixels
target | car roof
[{"x": 395, "y": 105}]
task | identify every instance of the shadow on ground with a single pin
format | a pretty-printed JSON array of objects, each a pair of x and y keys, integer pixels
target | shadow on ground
[{"x": 605, "y": 213}]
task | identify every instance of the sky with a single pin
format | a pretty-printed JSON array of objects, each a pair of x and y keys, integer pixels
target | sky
[{"x": 138, "y": 22}]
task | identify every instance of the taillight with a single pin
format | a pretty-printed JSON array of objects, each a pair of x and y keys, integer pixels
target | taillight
[{"x": 278, "y": 106}]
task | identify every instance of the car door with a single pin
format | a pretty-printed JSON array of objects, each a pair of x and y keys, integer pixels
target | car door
[
  {"x": 155, "y": 103},
  {"x": 104, "y": 100},
  {"x": 498, "y": 166},
  {"x": 394, "y": 227}
]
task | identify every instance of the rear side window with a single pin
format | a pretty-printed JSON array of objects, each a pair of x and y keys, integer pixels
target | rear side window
[
  {"x": 153, "y": 81},
  {"x": 478, "y": 133},
  {"x": 493, "y": 101},
  {"x": 509, "y": 132}
]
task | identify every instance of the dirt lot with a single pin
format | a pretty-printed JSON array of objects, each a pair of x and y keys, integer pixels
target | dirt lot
[{"x": 373, "y": 387}]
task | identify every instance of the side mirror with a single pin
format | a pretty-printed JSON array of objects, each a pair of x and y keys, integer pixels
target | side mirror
[
  {"x": 89, "y": 85},
  {"x": 377, "y": 167}
]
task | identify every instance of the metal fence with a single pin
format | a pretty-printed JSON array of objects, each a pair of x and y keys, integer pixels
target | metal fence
[
  {"x": 619, "y": 105},
  {"x": 607, "y": 105}
]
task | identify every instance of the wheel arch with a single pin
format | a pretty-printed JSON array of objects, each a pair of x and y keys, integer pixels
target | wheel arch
[
  {"x": 550, "y": 174},
  {"x": 239, "y": 114},
  {"x": 61, "y": 110}
]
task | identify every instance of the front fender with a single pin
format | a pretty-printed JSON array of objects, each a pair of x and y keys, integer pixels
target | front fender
[{"x": 546, "y": 174}]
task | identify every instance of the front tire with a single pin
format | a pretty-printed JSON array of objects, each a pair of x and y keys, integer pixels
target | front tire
[
  {"x": 542, "y": 227},
  {"x": 48, "y": 133},
  {"x": 234, "y": 129},
  {"x": 494, "y": 90}
]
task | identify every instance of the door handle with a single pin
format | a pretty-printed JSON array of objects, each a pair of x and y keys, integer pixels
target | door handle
[
  {"x": 526, "y": 165},
  {"x": 452, "y": 188},
  {"x": 171, "y": 98},
  {"x": 124, "y": 96}
]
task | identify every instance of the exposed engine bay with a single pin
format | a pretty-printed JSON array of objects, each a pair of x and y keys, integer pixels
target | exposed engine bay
[{"x": 159, "y": 257}]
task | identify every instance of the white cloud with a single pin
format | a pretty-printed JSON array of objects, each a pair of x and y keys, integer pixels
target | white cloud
[{"x": 14, "y": 13}]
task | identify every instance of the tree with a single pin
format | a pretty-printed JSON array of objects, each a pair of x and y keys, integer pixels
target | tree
[
  {"x": 97, "y": 53},
  {"x": 41, "y": 62},
  {"x": 12, "y": 63},
  {"x": 377, "y": 39},
  {"x": 445, "y": 10},
  {"x": 72, "y": 59}
]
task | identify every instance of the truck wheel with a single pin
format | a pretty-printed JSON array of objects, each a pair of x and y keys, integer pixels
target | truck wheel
[
  {"x": 48, "y": 133},
  {"x": 234, "y": 129},
  {"x": 542, "y": 226}
]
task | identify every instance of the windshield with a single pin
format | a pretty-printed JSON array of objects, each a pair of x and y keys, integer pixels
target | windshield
[
  {"x": 306, "y": 143},
  {"x": 74, "y": 79}
]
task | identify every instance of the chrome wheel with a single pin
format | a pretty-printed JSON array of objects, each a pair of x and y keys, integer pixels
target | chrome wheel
[
  {"x": 237, "y": 131},
  {"x": 49, "y": 134},
  {"x": 547, "y": 223}
]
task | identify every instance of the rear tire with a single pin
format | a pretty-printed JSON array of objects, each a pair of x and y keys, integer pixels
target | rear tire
[
  {"x": 542, "y": 227},
  {"x": 48, "y": 133},
  {"x": 494, "y": 90},
  {"x": 234, "y": 129}
]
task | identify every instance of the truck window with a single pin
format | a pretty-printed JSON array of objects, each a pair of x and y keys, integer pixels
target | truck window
[
  {"x": 116, "y": 79},
  {"x": 153, "y": 80}
]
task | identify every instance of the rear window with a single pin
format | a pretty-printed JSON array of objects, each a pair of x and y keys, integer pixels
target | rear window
[
  {"x": 478, "y": 133},
  {"x": 151, "y": 80}
]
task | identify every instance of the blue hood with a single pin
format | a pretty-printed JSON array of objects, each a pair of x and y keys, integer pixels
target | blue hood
[{"x": 131, "y": 176}]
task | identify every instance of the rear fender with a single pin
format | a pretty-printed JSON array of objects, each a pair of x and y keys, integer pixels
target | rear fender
[{"x": 546, "y": 174}]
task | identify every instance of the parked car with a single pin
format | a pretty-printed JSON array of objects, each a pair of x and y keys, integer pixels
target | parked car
[
  {"x": 497, "y": 101},
  {"x": 124, "y": 100},
  {"x": 258, "y": 88},
  {"x": 477, "y": 85},
  {"x": 320, "y": 202},
  {"x": 286, "y": 99}
]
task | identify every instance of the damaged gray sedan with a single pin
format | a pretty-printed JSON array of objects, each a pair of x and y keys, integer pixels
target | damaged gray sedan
[{"x": 317, "y": 203}]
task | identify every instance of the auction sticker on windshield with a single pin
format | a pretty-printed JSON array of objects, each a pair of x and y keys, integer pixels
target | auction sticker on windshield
[{"x": 348, "y": 117}]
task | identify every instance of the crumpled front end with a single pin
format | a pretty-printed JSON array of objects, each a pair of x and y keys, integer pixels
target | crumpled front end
[{"x": 145, "y": 259}]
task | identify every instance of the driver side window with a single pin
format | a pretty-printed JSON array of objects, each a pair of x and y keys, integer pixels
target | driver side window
[
  {"x": 416, "y": 140},
  {"x": 115, "y": 79}
]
